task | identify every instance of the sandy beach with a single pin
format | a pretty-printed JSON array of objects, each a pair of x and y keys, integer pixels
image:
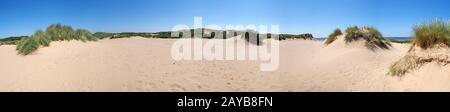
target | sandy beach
[{"x": 142, "y": 64}]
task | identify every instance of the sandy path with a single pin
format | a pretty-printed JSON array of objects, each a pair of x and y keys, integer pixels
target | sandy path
[{"x": 139, "y": 64}]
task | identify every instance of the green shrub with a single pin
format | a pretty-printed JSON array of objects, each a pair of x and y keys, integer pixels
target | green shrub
[
  {"x": 333, "y": 36},
  {"x": 27, "y": 45},
  {"x": 429, "y": 34}
]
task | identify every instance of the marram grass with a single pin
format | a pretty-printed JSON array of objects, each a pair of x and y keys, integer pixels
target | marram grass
[
  {"x": 55, "y": 32},
  {"x": 427, "y": 35},
  {"x": 84, "y": 35},
  {"x": 404, "y": 65},
  {"x": 27, "y": 46},
  {"x": 333, "y": 36},
  {"x": 41, "y": 37},
  {"x": 431, "y": 33},
  {"x": 373, "y": 37}
]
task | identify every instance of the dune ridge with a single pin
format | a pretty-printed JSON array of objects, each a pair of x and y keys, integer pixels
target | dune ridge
[{"x": 143, "y": 64}]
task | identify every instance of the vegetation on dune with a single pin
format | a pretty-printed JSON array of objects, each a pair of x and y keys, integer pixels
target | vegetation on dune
[
  {"x": 429, "y": 34},
  {"x": 403, "y": 66},
  {"x": 55, "y": 32},
  {"x": 58, "y": 32},
  {"x": 84, "y": 35},
  {"x": 42, "y": 38},
  {"x": 373, "y": 38},
  {"x": 27, "y": 45},
  {"x": 413, "y": 61},
  {"x": 353, "y": 33},
  {"x": 435, "y": 34},
  {"x": 333, "y": 36},
  {"x": 376, "y": 39}
]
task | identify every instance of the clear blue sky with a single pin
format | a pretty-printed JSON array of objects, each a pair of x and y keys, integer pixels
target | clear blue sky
[{"x": 319, "y": 17}]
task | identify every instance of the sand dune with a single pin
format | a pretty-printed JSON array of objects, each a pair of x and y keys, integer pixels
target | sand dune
[{"x": 140, "y": 64}]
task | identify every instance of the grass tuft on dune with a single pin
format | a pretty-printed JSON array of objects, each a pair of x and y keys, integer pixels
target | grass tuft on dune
[
  {"x": 42, "y": 38},
  {"x": 432, "y": 40},
  {"x": 84, "y": 35},
  {"x": 431, "y": 33},
  {"x": 333, "y": 36},
  {"x": 404, "y": 65},
  {"x": 373, "y": 37},
  {"x": 55, "y": 32},
  {"x": 27, "y": 46}
]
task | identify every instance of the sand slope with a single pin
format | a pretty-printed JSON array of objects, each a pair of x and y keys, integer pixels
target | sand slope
[{"x": 140, "y": 64}]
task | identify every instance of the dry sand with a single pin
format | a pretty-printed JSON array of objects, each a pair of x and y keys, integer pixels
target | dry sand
[{"x": 140, "y": 64}]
